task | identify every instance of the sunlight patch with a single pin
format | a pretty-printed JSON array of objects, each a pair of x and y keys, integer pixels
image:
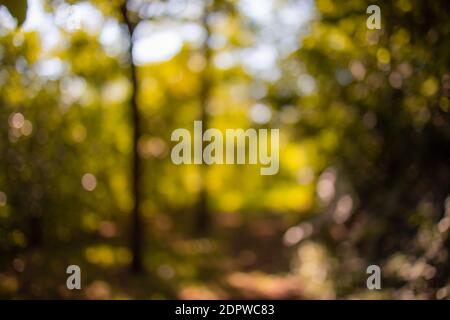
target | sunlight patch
[{"x": 158, "y": 47}]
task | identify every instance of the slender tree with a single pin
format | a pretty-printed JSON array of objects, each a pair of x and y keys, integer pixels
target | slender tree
[
  {"x": 136, "y": 166},
  {"x": 203, "y": 218}
]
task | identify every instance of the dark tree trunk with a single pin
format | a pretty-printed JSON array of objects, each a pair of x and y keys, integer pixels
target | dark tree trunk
[
  {"x": 136, "y": 218},
  {"x": 203, "y": 218},
  {"x": 36, "y": 237}
]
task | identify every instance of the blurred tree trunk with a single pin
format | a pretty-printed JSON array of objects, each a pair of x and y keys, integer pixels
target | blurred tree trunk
[
  {"x": 136, "y": 218},
  {"x": 203, "y": 217},
  {"x": 36, "y": 230}
]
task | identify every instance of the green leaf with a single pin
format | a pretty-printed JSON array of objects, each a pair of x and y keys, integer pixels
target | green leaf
[{"x": 17, "y": 8}]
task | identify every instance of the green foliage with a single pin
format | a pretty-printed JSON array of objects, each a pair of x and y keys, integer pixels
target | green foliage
[
  {"x": 386, "y": 105},
  {"x": 364, "y": 175},
  {"x": 17, "y": 8}
]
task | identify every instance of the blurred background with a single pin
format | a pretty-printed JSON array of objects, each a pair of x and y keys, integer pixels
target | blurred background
[{"x": 90, "y": 92}]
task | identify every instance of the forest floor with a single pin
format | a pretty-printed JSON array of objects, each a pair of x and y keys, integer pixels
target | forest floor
[
  {"x": 254, "y": 263},
  {"x": 240, "y": 261}
]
